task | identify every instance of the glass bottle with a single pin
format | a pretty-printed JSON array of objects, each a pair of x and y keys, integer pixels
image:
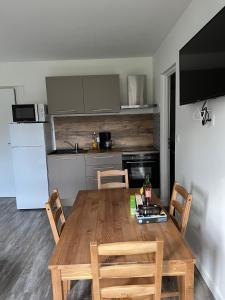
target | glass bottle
[
  {"x": 148, "y": 190},
  {"x": 98, "y": 142},
  {"x": 94, "y": 141}
]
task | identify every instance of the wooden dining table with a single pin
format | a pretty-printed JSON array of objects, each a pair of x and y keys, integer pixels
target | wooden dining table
[{"x": 104, "y": 216}]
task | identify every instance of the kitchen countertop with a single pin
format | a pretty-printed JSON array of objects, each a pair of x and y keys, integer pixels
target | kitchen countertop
[{"x": 125, "y": 150}]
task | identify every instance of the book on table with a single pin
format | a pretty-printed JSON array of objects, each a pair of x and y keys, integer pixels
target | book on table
[{"x": 151, "y": 213}]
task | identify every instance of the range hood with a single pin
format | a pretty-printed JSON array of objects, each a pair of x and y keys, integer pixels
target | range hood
[{"x": 136, "y": 92}]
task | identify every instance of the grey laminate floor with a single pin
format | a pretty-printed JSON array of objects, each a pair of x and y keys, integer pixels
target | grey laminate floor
[{"x": 26, "y": 245}]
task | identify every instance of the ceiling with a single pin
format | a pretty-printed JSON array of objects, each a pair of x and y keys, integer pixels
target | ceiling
[{"x": 78, "y": 29}]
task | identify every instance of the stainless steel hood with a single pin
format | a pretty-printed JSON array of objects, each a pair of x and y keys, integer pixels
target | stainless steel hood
[{"x": 136, "y": 92}]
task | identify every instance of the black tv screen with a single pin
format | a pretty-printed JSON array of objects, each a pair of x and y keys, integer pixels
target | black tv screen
[{"x": 202, "y": 63}]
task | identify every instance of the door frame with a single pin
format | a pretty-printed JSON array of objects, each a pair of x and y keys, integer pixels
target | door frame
[
  {"x": 12, "y": 193},
  {"x": 164, "y": 134}
]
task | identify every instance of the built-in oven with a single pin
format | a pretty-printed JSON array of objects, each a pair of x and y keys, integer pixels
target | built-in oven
[{"x": 139, "y": 164}]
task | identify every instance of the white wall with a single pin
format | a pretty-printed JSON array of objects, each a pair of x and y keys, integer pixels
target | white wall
[
  {"x": 200, "y": 154},
  {"x": 31, "y": 75}
]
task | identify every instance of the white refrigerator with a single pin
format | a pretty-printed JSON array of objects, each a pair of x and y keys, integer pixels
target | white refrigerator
[{"x": 30, "y": 143}]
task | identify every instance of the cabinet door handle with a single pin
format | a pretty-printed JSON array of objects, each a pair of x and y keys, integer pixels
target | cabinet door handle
[
  {"x": 103, "y": 157},
  {"x": 102, "y": 109},
  {"x": 103, "y": 168},
  {"x": 64, "y": 157},
  {"x": 66, "y": 111}
]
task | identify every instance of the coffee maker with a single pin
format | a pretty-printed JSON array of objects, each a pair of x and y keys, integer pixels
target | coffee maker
[{"x": 105, "y": 140}]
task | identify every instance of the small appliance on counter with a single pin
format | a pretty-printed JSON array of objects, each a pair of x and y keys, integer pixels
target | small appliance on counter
[
  {"x": 29, "y": 113},
  {"x": 105, "y": 140}
]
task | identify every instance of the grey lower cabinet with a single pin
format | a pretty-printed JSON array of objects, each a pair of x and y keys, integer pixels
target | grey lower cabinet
[
  {"x": 101, "y": 93},
  {"x": 71, "y": 173},
  {"x": 67, "y": 174},
  {"x": 65, "y": 94},
  {"x": 101, "y": 162}
]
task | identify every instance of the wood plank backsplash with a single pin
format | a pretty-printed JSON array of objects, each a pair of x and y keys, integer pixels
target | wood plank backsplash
[{"x": 126, "y": 130}]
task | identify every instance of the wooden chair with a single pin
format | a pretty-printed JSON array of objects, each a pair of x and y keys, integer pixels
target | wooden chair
[
  {"x": 55, "y": 214},
  {"x": 128, "y": 276},
  {"x": 112, "y": 173},
  {"x": 182, "y": 209}
]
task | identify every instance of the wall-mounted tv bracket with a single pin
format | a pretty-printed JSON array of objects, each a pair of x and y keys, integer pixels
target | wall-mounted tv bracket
[{"x": 205, "y": 114}]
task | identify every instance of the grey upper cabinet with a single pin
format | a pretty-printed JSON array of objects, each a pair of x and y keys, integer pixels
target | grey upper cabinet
[
  {"x": 65, "y": 94},
  {"x": 101, "y": 93}
]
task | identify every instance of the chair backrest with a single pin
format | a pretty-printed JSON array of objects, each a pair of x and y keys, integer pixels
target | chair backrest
[
  {"x": 182, "y": 208},
  {"x": 112, "y": 173},
  {"x": 147, "y": 270},
  {"x": 55, "y": 215}
]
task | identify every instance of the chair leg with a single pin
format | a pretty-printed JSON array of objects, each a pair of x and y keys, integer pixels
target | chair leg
[
  {"x": 179, "y": 286},
  {"x": 69, "y": 285},
  {"x": 187, "y": 283}
]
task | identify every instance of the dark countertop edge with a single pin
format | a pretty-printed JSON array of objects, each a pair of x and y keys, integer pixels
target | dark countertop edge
[{"x": 114, "y": 150}]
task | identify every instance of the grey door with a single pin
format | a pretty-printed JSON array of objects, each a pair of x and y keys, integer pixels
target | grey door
[
  {"x": 101, "y": 93},
  {"x": 65, "y": 94}
]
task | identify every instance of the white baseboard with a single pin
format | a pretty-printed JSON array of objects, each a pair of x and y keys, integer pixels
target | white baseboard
[{"x": 209, "y": 281}]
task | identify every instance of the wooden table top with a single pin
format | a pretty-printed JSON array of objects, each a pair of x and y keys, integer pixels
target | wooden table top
[{"x": 104, "y": 216}]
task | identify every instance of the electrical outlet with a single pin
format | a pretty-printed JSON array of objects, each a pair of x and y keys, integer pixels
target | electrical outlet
[{"x": 177, "y": 138}]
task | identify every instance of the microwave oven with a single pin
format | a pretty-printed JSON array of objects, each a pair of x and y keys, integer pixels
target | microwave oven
[{"x": 29, "y": 113}]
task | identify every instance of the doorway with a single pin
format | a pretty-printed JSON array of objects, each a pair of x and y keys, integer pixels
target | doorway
[
  {"x": 168, "y": 81},
  {"x": 7, "y": 188},
  {"x": 171, "y": 126}
]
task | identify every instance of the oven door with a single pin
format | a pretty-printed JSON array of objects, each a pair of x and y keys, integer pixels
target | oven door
[
  {"x": 24, "y": 113},
  {"x": 137, "y": 171}
]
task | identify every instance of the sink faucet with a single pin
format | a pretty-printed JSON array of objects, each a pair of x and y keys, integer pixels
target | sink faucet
[{"x": 74, "y": 146}]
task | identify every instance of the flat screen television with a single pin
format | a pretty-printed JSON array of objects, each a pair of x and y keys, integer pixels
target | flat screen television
[{"x": 202, "y": 63}]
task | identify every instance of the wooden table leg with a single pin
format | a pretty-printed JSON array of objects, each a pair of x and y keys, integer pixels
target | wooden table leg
[
  {"x": 186, "y": 283},
  {"x": 56, "y": 284},
  {"x": 66, "y": 288}
]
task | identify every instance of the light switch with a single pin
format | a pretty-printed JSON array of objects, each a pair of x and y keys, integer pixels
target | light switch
[{"x": 177, "y": 138}]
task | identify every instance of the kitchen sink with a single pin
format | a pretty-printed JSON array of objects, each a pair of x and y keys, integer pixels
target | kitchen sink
[{"x": 69, "y": 151}]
